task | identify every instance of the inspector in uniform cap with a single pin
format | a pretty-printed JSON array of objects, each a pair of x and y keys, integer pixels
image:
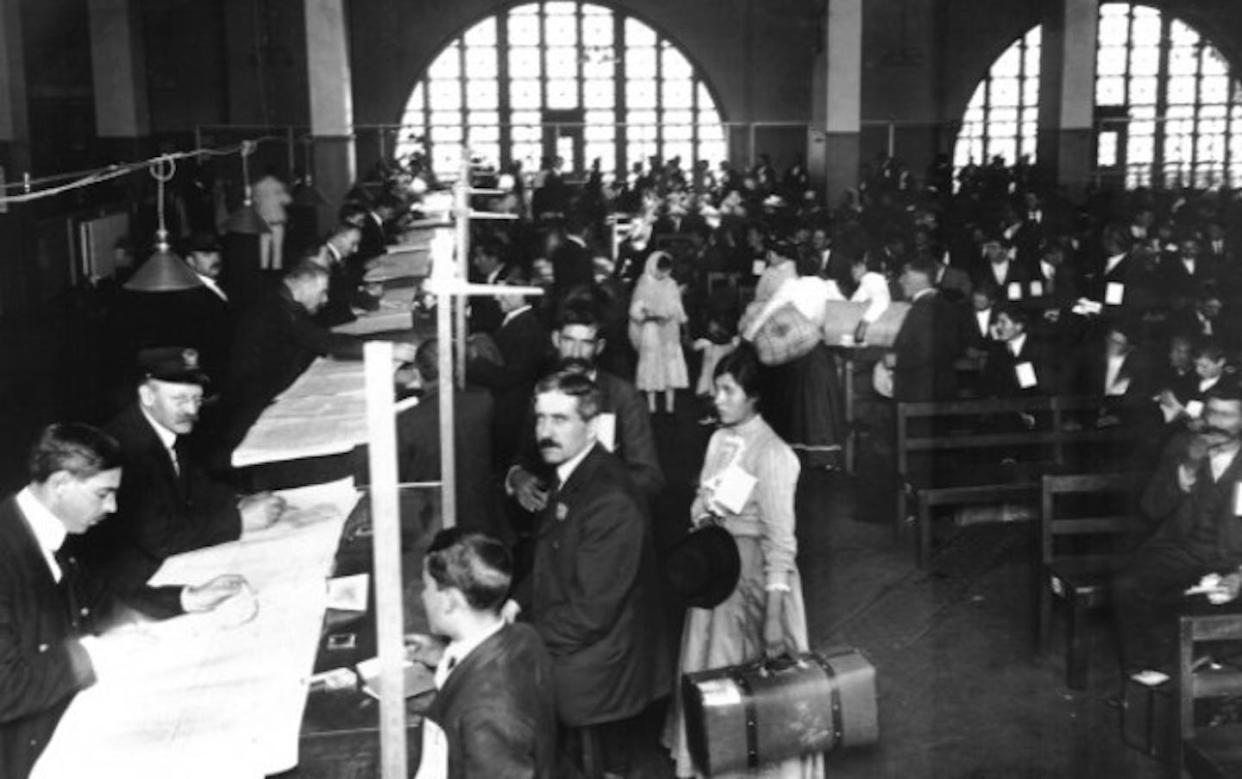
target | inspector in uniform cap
[{"x": 175, "y": 364}]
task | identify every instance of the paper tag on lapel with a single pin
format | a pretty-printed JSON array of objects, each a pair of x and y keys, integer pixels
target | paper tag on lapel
[
  {"x": 606, "y": 431},
  {"x": 1025, "y": 373},
  {"x": 758, "y": 267},
  {"x": 1114, "y": 293},
  {"x": 1037, "y": 289},
  {"x": 1014, "y": 290},
  {"x": 1194, "y": 408},
  {"x": 562, "y": 511},
  {"x": 1237, "y": 498}
]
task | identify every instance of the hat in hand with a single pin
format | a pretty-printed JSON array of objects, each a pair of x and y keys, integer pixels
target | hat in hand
[
  {"x": 703, "y": 567},
  {"x": 171, "y": 363}
]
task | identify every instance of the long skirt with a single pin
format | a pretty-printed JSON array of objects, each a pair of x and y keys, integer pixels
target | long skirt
[
  {"x": 732, "y": 634},
  {"x": 815, "y": 408}
]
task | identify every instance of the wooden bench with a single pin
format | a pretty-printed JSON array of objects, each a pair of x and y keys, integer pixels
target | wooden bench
[
  {"x": 992, "y": 456},
  {"x": 1084, "y": 521},
  {"x": 1208, "y": 751}
]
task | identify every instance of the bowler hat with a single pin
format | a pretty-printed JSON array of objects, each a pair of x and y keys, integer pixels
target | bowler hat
[
  {"x": 703, "y": 567},
  {"x": 171, "y": 363}
]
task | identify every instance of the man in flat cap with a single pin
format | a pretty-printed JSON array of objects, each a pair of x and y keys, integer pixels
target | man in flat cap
[{"x": 167, "y": 503}]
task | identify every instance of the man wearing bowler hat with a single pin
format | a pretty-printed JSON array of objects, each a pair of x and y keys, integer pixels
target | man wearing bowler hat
[{"x": 167, "y": 503}]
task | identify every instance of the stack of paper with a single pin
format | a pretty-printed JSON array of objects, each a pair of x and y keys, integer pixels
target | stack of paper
[{"x": 205, "y": 698}]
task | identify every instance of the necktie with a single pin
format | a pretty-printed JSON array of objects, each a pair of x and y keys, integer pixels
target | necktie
[{"x": 68, "y": 585}]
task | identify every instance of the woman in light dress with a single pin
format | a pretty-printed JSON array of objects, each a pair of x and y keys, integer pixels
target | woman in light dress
[
  {"x": 764, "y": 616},
  {"x": 656, "y": 318}
]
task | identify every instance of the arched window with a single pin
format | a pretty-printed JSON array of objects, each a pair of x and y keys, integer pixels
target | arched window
[
  {"x": 568, "y": 79},
  {"x": 1168, "y": 107}
]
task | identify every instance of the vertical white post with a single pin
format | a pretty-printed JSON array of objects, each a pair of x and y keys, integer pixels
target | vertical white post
[
  {"x": 386, "y": 539},
  {"x": 461, "y": 208},
  {"x": 447, "y": 388}
]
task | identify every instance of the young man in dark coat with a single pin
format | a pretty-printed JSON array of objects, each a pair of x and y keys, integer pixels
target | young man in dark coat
[
  {"x": 495, "y": 711},
  {"x": 48, "y": 604},
  {"x": 593, "y": 592},
  {"x": 929, "y": 340}
]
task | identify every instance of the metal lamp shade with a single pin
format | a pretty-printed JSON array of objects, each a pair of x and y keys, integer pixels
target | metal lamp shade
[
  {"x": 246, "y": 221},
  {"x": 163, "y": 272}
]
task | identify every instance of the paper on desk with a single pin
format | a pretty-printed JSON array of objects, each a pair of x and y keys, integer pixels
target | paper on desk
[
  {"x": 348, "y": 593},
  {"x": 208, "y": 704}
]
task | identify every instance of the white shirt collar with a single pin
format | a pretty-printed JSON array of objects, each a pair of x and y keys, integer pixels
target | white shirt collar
[
  {"x": 1189, "y": 263},
  {"x": 567, "y": 468},
  {"x": 1015, "y": 346},
  {"x": 1220, "y": 461},
  {"x": 984, "y": 318},
  {"x": 167, "y": 437},
  {"x": 576, "y": 240},
  {"x": 48, "y": 530},
  {"x": 1047, "y": 269},
  {"x": 1207, "y": 384},
  {"x": 211, "y": 284},
  {"x": 922, "y": 293},
  {"x": 458, "y": 650},
  {"x": 513, "y": 314},
  {"x": 1113, "y": 262}
]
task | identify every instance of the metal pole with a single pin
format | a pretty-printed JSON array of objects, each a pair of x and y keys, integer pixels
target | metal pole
[
  {"x": 462, "y": 207},
  {"x": 448, "y": 444},
  {"x": 892, "y": 138},
  {"x": 386, "y": 549},
  {"x": 292, "y": 160}
]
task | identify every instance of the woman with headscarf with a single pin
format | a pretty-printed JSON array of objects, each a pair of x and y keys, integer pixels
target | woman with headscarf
[{"x": 656, "y": 317}]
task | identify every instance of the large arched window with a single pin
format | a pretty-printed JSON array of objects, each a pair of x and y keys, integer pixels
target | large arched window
[
  {"x": 1168, "y": 108},
  {"x": 568, "y": 79}
]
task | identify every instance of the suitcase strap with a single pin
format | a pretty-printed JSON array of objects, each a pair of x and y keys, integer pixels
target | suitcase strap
[
  {"x": 838, "y": 728},
  {"x": 752, "y": 720}
]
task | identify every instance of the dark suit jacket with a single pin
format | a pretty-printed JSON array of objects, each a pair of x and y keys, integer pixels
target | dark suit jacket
[
  {"x": 572, "y": 266},
  {"x": 212, "y": 321},
  {"x": 1000, "y": 377},
  {"x": 985, "y": 277},
  {"x": 418, "y": 454},
  {"x": 159, "y": 512},
  {"x": 593, "y": 596},
  {"x": 1202, "y": 520},
  {"x": 374, "y": 239},
  {"x": 634, "y": 443},
  {"x": 523, "y": 344},
  {"x": 498, "y": 709},
  {"x": 276, "y": 342},
  {"x": 954, "y": 284},
  {"x": 1178, "y": 283},
  {"x": 926, "y": 348},
  {"x": 42, "y": 665}
]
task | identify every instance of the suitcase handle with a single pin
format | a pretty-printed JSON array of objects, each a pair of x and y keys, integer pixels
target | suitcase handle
[{"x": 782, "y": 663}]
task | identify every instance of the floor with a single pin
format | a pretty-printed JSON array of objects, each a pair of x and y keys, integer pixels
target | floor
[{"x": 961, "y": 693}]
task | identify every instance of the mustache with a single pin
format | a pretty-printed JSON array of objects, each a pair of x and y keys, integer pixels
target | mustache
[
  {"x": 576, "y": 364},
  {"x": 547, "y": 443}
]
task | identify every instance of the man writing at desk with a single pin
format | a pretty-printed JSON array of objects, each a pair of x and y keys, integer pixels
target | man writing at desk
[
  {"x": 48, "y": 604},
  {"x": 168, "y": 503}
]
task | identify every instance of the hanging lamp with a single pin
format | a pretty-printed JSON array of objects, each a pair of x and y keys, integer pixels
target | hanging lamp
[
  {"x": 163, "y": 271},
  {"x": 246, "y": 220}
]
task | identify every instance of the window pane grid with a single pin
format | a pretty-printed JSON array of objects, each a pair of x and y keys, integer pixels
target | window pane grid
[
  {"x": 634, "y": 93},
  {"x": 1173, "y": 88}
]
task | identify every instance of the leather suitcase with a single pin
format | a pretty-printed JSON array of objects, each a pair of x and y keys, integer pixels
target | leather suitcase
[
  {"x": 1149, "y": 717},
  {"x": 745, "y": 716}
]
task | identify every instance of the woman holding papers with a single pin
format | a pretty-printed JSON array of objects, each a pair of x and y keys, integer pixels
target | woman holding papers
[{"x": 747, "y": 487}]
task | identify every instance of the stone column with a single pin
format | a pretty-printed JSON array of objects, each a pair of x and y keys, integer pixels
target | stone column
[
  {"x": 842, "y": 91},
  {"x": 1066, "y": 142},
  {"x": 331, "y": 102},
  {"x": 118, "y": 67}
]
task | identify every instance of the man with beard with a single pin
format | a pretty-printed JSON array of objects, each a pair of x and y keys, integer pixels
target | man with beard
[
  {"x": 1193, "y": 495},
  {"x": 167, "y": 503},
  {"x": 624, "y": 422}
]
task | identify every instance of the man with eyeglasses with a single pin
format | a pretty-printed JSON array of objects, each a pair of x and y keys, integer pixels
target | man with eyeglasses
[{"x": 167, "y": 503}]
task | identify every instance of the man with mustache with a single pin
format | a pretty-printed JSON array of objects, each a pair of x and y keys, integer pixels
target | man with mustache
[
  {"x": 592, "y": 594},
  {"x": 623, "y": 414},
  {"x": 1194, "y": 496},
  {"x": 167, "y": 503}
]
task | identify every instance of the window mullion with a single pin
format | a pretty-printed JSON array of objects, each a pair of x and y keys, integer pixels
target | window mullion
[
  {"x": 1162, "y": 104},
  {"x": 504, "y": 105}
]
